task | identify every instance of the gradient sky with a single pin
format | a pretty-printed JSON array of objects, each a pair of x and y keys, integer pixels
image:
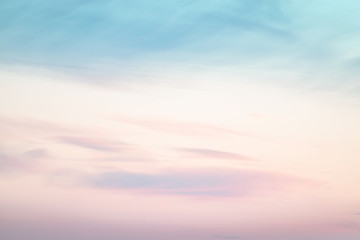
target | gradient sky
[{"x": 181, "y": 120}]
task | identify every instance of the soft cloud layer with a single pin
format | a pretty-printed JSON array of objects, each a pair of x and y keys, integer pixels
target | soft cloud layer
[
  {"x": 25, "y": 162},
  {"x": 95, "y": 144},
  {"x": 222, "y": 119},
  {"x": 210, "y": 153},
  {"x": 179, "y": 127},
  {"x": 199, "y": 182}
]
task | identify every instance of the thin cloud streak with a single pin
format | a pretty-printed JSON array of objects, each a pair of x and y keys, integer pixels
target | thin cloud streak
[
  {"x": 197, "y": 182},
  {"x": 31, "y": 125},
  {"x": 91, "y": 143},
  {"x": 210, "y": 153}
]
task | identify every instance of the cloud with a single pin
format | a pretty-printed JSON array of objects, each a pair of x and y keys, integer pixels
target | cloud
[
  {"x": 90, "y": 143},
  {"x": 31, "y": 125},
  {"x": 179, "y": 127},
  {"x": 209, "y": 153},
  {"x": 8, "y": 162},
  {"x": 196, "y": 182},
  {"x": 35, "y": 153},
  {"x": 125, "y": 158},
  {"x": 25, "y": 161},
  {"x": 20, "y": 128},
  {"x": 177, "y": 182}
]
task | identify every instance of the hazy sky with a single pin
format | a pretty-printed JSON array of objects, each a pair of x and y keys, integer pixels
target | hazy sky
[{"x": 181, "y": 120}]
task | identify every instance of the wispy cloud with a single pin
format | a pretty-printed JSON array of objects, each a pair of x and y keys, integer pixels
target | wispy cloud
[
  {"x": 91, "y": 143},
  {"x": 8, "y": 162},
  {"x": 167, "y": 182},
  {"x": 26, "y": 161},
  {"x": 29, "y": 124},
  {"x": 210, "y": 153},
  {"x": 36, "y": 154},
  {"x": 196, "y": 182},
  {"x": 179, "y": 127}
]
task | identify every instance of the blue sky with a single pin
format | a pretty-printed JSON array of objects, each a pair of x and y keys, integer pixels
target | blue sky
[
  {"x": 311, "y": 40},
  {"x": 296, "y": 34}
]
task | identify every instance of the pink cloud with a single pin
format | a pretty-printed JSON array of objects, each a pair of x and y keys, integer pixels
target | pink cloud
[
  {"x": 26, "y": 161},
  {"x": 91, "y": 143},
  {"x": 210, "y": 153}
]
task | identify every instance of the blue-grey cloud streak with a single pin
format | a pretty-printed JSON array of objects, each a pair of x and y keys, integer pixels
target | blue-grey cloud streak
[{"x": 205, "y": 182}]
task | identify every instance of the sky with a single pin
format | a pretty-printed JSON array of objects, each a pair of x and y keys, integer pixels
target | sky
[{"x": 181, "y": 120}]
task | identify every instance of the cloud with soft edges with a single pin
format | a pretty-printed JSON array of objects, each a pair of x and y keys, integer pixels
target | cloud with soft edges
[
  {"x": 91, "y": 143},
  {"x": 23, "y": 162},
  {"x": 197, "y": 182},
  {"x": 211, "y": 153}
]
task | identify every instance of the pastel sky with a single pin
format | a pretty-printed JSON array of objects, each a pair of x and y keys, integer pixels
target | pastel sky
[{"x": 181, "y": 120}]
